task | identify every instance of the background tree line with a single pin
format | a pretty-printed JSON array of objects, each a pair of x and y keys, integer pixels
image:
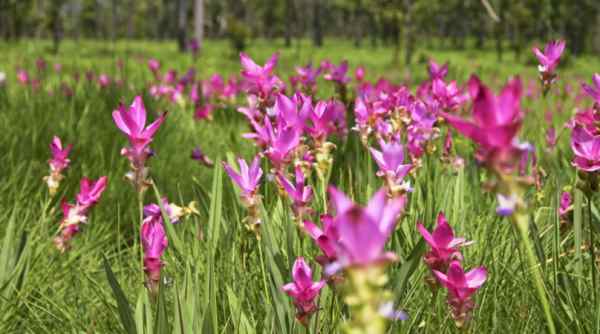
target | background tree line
[{"x": 501, "y": 24}]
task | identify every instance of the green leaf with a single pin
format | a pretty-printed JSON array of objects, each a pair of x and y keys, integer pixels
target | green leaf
[{"x": 125, "y": 313}]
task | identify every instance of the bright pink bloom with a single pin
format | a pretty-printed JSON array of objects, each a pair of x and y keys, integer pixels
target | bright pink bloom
[
  {"x": 248, "y": 179},
  {"x": 565, "y": 204},
  {"x": 359, "y": 74},
  {"x": 327, "y": 239},
  {"x": 90, "y": 191},
  {"x": 338, "y": 74},
  {"x": 204, "y": 111},
  {"x": 496, "y": 119},
  {"x": 132, "y": 122},
  {"x": 103, "y": 80},
  {"x": 460, "y": 287},
  {"x": 390, "y": 161},
  {"x": 586, "y": 148},
  {"x": 23, "y": 77},
  {"x": 194, "y": 46},
  {"x": 448, "y": 95},
  {"x": 593, "y": 92},
  {"x": 303, "y": 290},
  {"x": 364, "y": 231},
  {"x": 437, "y": 71},
  {"x": 307, "y": 77},
  {"x": 300, "y": 193},
  {"x": 550, "y": 57},
  {"x": 60, "y": 155},
  {"x": 444, "y": 245},
  {"x": 152, "y": 211},
  {"x": 259, "y": 80},
  {"x": 154, "y": 244},
  {"x": 282, "y": 141}
]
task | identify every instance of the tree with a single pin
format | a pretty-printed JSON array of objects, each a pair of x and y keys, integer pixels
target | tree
[{"x": 199, "y": 22}]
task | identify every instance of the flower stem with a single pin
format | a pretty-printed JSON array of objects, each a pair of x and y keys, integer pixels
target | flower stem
[
  {"x": 522, "y": 221},
  {"x": 592, "y": 252}
]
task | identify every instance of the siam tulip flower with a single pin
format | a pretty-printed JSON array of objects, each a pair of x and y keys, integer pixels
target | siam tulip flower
[
  {"x": 303, "y": 290},
  {"x": 260, "y": 80},
  {"x": 204, "y": 112},
  {"x": 587, "y": 150},
  {"x": 89, "y": 75},
  {"x": 41, "y": 64},
  {"x": 507, "y": 204},
  {"x": 551, "y": 138},
  {"x": 58, "y": 163},
  {"x": 339, "y": 75},
  {"x": 23, "y": 77},
  {"x": 392, "y": 168},
  {"x": 282, "y": 142},
  {"x": 132, "y": 122},
  {"x": 292, "y": 112},
  {"x": 67, "y": 90},
  {"x": 448, "y": 95},
  {"x": 248, "y": 181},
  {"x": 199, "y": 156},
  {"x": 565, "y": 211},
  {"x": 75, "y": 214},
  {"x": 437, "y": 71},
  {"x": 548, "y": 61},
  {"x": 593, "y": 92},
  {"x": 58, "y": 67},
  {"x": 103, "y": 80},
  {"x": 461, "y": 286},
  {"x": 443, "y": 246},
  {"x": 154, "y": 244},
  {"x": 173, "y": 211},
  {"x": 359, "y": 74},
  {"x": 307, "y": 77},
  {"x": 170, "y": 77},
  {"x": 496, "y": 121},
  {"x": 154, "y": 66},
  {"x": 300, "y": 194},
  {"x": 327, "y": 239},
  {"x": 363, "y": 233}
]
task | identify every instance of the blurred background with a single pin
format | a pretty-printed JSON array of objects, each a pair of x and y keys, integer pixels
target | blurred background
[{"x": 402, "y": 26}]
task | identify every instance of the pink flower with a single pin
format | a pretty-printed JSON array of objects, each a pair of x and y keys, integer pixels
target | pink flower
[
  {"x": 437, "y": 71},
  {"x": 551, "y": 137},
  {"x": 60, "y": 155},
  {"x": 23, "y": 77},
  {"x": 248, "y": 179},
  {"x": 549, "y": 58},
  {"x": 593, "y": 92},
  {"x": 496, "y": 119},
  {"x": 448, "y": 95},
  {"x": 103, "y": 80},
  {"x": 132, "y": 122},
  {"x": 444, "y": 245},
  {"x": 363, "y": 231},
  {"x": 152, "y": 211},
  {"x": 307, "y": 77},
  {"x": 338, "y": 74},
  {"x": 460, "y": 287},
  {"x": 204, "y": 112},
  {"x": 154, "y": 243},
  {"x": 565, "y": 204},
  {"x": 282, "y": 141},
  {"x": 327, "y": 239},
  {"x": 259, "y": 80},
  {"x": 303, "y": 290},
  {"x": 391, "y": 164},
  {"x": 586, "y": 148},
  {"x": 90, "y": 191},
  {"x": 300, "y": 193},
  {"x": 199, "y": 156},
  {"x": 359, "y": 74},
  {"x": 154, "y": 65}
]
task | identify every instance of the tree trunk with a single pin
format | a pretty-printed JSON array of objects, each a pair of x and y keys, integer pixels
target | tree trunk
[
  {"x": 56, "y": 25},
  {"x": 199, "y": 22},
  {"x": 181, "y": 24},
  {"x": 289, "y": 12},
  {"x": 408, "y": 32},
  {"x": 115, "y": 21},
  {"x": 318, "y": 31}
]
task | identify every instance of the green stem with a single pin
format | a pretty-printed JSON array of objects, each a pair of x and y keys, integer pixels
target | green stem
[
  {"x": 592, "y": 252},
  {"x": 138, "y": 239},
  {"x": 262, "y": 270},
  {"x": 522, "y": 221}
]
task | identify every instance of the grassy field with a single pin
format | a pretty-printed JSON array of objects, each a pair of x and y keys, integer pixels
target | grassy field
[{"x": 211, "y": 286}]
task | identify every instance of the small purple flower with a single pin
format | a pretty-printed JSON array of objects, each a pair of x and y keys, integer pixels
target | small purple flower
[
  {"x": 587, "y": 150},
  {"x": 506, "y": 204},
  {"x": 202, "y": 158},
  {"x": 437, "y": 71},
  {"x": 300, "y": 193},
  {"x": 248, "y": 178},
  {"x": 444, "y": 245},
  {"x": 549, "y": 59},
  {"x": 391, "y": 166},
  {"x": 593, "y": 91}
]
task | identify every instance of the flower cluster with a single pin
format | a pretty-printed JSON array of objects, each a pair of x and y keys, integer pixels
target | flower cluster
[{"x": 58, "y": 163}]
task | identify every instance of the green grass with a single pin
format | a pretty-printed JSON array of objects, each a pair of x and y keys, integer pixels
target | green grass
[{"x": 210, "y": 288}]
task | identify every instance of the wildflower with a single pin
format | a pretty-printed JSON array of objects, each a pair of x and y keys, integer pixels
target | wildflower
[
  {"x": 103, "y": 80},
  {"x": 496, "y": 121},
  {"x": 392, "y": 167},
  {"x": 448, "y": 95},
  {"x": 173, "y": 211},
  {"x": 307, "y": 77},
  {"x": 132, "y": 122},
  {"x": 154, "y": 65},
  {"x": 204, "y": 112},
  {"x": 199, "y": 156},
  {"x": 300, "y": 193},
  {"x": 360, "y": 251},
  {"x": 461, "y": 286},
  {"x": 507, "y": 204},
  {"x": 248, "y": 181},
  {"x": 194, "y": 47},
  {"x": 437, "y": 71},
  {"x": 587, "y": 150},
  {"x": 58, "y": 163},
  {"x": 260, "y": 80},
  {"x": 327, "y": 239},
  {"x": 154, "y": 244},
  {"x": 359, "y": 74},
  {"x": 443, "y": 246},
  {"x": 303, "y": 290},
  {"x": 593, "y": 92},
  {"x": 549, "y": 60},
  {"x": 23, "y": 77},
  {"x": 75, "y": 214},
  {"x": 339, "y": 75}
]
